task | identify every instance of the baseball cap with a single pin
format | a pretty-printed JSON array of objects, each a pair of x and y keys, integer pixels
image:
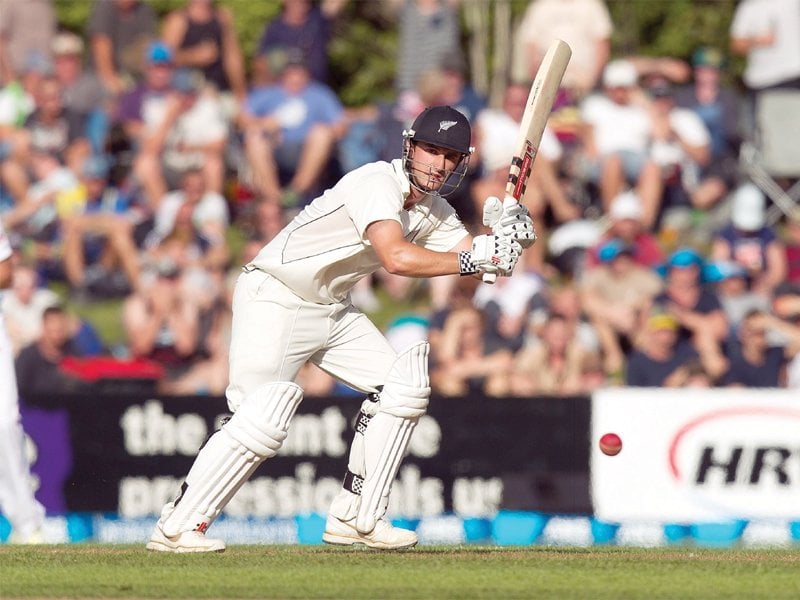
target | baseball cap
[
  {"x": 708, "y": 57},
  {"x": 723, "y": 269},
  {"x": 748, "y": 210},
  {"x": 626, "y": 205},
  {"x": 442, "y": 126},
  {"x": 614, "y": 248},
  {"x": 620, "y": 73},
  {"x": 661, "y": 320},
  {"x": 66, "y": 43},
  {"x": 159, "y": 53}
]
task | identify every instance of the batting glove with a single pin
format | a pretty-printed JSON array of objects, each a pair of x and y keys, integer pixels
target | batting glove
[
  {"x": 509, "y": 219},
  {"x": 494, "y": 254}
]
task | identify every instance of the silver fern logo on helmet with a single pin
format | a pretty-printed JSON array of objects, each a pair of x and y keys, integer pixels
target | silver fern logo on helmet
[{"x": 445, "y": 125}]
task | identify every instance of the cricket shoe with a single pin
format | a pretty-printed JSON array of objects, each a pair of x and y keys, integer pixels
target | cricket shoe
[
  {"x": 384, "y": 536},
  {"x": 186, "y": 541}
]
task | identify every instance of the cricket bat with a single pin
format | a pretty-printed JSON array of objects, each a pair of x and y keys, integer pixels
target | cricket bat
[{"x": 537, "y": 111}]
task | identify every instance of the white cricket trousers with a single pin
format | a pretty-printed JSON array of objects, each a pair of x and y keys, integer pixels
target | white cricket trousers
[
  {"x": 17, "y": 501},
  {"x": 275, "y": 332}
]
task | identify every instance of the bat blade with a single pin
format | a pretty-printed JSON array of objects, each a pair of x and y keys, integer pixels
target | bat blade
[{"x": 537, "y": 111}]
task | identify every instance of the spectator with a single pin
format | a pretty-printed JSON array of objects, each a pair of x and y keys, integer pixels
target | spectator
[
  {"x": 38, "y": 364},
  {"x": 264, "y": 224},
  {"x": 680, "y": 144},
  {"x": 98, "y": 237},
  {"x": 784, "y": 328},
  {"x": 204, "y": 209},
  {"x": 617, "y": 293},
  {"x": 732, "y": 286},
  {"x": 752, "y": 243},
  {"x": 83, "y": 92},
  {"x": 119, "y": 31},
  {"x": 23, "y": 306},
  {"x": 496, "y": 131},
  {"x": 626, "y": 224},
  {"x": 662, "y": 360},
  {"x": 26, "y": 29},
  {"x": 429, "y": 30},
  {"x": 584, "y": 24},
  {"x": 202, "y": 36},
  {"x": 304, "y": 25},
  {"x": 717, "y": 105},
  {"x": 291, "y": 128},
  {"x": 466, "y": 361},
  {"x": 17, "y": 501},
  {"x": 553, "y": 365},
  {"x": 695, "y": 308},
  {"x": 765, "y": 32},
  {"x": 162, "y": 322},
  {"x": 616, "y": 139},
  {"x": 191, "y": 135},
  {"x": 753, "y": 361}
]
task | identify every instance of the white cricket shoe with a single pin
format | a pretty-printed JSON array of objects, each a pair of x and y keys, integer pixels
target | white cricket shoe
[
  {"x": 187, "y": 541},
  {"x": 385, "y": 536}
]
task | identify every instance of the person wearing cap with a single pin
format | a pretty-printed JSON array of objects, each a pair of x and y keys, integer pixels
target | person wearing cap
[
  {"x": 662, "y": 357},
  {"x": 615, "y": 141},
  {"x": 292, "y": 304},
  {"x": 291, "y": 129},
  {"x": 625, "y": 222},
  {"x": 750, "y": 241},
  {"x": 718, "y": 106}
]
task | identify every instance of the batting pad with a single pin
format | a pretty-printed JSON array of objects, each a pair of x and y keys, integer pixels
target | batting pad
[
  {"x": 16, "y": 492},
  {"x": 254, "y": 433},
  {"x": 403, "y": 401}
]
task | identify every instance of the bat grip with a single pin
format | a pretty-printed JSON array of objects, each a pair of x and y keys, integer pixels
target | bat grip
[{"x": 489, "y": 277}]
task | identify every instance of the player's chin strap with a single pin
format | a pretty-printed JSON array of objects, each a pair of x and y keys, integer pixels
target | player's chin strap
[
  {"x": 383, "y": 430},
  {"x": 254, "y": 433}
]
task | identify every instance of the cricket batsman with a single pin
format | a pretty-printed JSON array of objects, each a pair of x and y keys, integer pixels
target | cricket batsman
[{"x": 292, "y": 304}]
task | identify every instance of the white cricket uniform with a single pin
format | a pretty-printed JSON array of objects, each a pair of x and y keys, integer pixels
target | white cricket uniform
[
  {"x": 292, "y": 303},
  {"x": 17, "y": 501}
]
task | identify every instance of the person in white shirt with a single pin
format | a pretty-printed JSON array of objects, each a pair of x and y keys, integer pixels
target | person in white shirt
[
  {"x": 292, "y": 305},
  {"x": 17, "y": 501}
]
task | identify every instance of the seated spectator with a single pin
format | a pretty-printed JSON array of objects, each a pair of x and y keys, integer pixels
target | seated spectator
[
  {"x": 626, "y": 224},
  {"x": 554, "y": 365},
  {"x": 197, "y": 215},
  {"x": 616, "y": 139},
  {"x": 191, "y": 134},
  {"x": 784, "y": 328},
  {"x": 718, "y": 107},
  {"x": 753, "y": 361},
  {"x": 680, "y": 144},
  {"x": 662, "y": 357},
  {"x": 751, "y": 242},
  {"x": 731, "y": 283},
  {"x": 98, "y": 237},
  {"x": 118, "y": 30},
  {"x": 617, "y": 292},
  {"x": 264, "y": 224},
  {"x": 791, "y": 241},
  {"x": 291, "y": 128},
  {"x": 162, "y": 321},
  {"x": 26, "y": 29},
  {"x": 203, "y": 37},
  {"x": 83, "y": 91},
  {"x": 37, "y": 365},
  {"x": 466, "y": 361},
  {"x": 695, "y": 308},
  {"x": 23, "y": 306}
]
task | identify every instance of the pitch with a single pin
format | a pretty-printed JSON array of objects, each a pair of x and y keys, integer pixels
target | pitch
[{"x": 108, "y": 571}]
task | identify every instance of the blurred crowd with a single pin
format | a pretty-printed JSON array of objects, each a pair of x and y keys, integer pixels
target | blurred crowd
[{"x": 144, "y": 160}]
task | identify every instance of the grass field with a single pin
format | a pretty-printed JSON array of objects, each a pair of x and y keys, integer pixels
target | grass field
[{"x": 104, "y": 571}]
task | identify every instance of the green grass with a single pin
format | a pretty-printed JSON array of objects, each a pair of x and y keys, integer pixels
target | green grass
[{"x": 94, "y": 571}]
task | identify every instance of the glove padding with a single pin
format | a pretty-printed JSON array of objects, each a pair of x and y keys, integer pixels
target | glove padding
[
  {"x": 495, "y": 254},
  {"x": 509, "y": 219}
]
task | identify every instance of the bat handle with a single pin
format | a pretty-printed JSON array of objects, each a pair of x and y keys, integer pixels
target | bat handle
[{"x": 489, "y": 277}]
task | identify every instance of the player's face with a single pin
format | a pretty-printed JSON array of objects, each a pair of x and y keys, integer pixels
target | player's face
[{"x": 432, "y": 165}]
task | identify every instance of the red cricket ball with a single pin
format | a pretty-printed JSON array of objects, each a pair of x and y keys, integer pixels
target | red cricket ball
[{"x": 610, "y": 444}]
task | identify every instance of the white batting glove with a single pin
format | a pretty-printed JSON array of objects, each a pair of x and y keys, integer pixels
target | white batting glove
[
  {"x": 509, "y": 219},
  {"x": 494, "y": 254}
]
